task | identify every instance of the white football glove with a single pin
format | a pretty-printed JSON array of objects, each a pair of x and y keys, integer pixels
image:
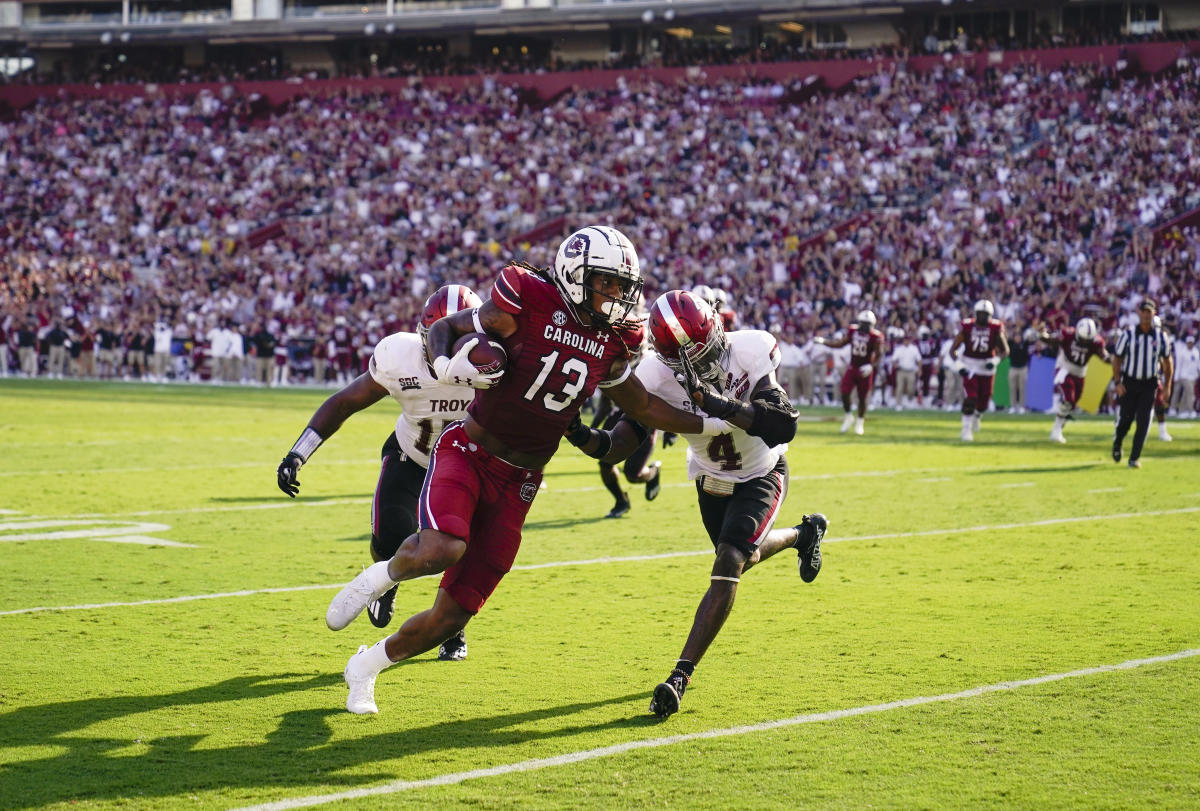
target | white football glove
[
  {"x": 459, "y": 371},
  {"x": 865, "y": 369}
]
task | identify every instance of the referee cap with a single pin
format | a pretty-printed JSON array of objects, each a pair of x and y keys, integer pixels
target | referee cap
[{"x": 1148, "y": 304}]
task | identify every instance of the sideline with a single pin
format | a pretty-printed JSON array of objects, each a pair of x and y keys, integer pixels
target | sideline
[
  {"x": 580, "y": 756},
  {"x": 622, "y": 559}
]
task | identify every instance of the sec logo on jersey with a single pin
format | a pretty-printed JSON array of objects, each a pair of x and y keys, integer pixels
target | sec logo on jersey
[{"x": 559, "y": 318}]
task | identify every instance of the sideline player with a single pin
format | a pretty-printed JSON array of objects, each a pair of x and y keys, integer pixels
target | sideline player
[
  {"x": 1076, "y": 345},
  {"x": 984, "y": 345},
  {"x": 397, "y": 367},
  {"x": 741, "y": 474},
  {"x": 866, "y": 348},
  {"x": 484, "y": 471}
]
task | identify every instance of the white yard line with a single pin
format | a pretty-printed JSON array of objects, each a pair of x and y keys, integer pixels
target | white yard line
[
  {"x": 624, "y": 559},
  {"x": 582, "y": 755},
  {"x": 1018, "y": 484},
  {"x": 1115, "y": 490}
]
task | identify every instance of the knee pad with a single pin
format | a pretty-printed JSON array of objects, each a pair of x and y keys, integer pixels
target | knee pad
[{"x": 1065, "y": 408}]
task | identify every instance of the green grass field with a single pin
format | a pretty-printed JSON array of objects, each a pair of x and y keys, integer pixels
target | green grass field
[{"x": 161, "y": 622}]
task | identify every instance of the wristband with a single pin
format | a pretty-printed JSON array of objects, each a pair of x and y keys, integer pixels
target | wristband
[
  {"x": 307, "y": 444},
  {"x": 714, "y": 426}
]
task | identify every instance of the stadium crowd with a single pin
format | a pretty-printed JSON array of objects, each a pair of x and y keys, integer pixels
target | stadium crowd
[{"x": 215, "y": 237}]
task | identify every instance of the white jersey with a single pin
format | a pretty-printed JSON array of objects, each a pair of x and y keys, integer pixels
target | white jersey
[
  {"x": 735, "y": 456},
  {"x": 398, "y": 364}
]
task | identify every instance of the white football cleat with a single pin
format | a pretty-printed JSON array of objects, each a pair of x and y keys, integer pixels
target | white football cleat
[
  {"x": 1163, "y": 435},
  {"x": 846, "y": 423},
  {"x": 361, "y": 682},
  {"x": 358, "y": 593},
  {"x": 858, "y": 426},
  {"x": 967, "y": 436},
  {"x": 1056, "y": 436}
]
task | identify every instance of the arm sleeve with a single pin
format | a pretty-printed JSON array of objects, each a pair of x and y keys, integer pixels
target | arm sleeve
[
  {"x": 506, "y": 292},
  {"x": 774, "y": 417}
]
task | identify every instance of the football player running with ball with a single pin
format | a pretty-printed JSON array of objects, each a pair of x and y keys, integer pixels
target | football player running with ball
[
  {"x": 484, "y": 471},
  {"x": 398, "y": 367},
  {"x": 741, "y": 474}
]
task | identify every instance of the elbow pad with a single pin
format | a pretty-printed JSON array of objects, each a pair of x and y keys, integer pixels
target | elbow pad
[{"x": 774, "y": 418}]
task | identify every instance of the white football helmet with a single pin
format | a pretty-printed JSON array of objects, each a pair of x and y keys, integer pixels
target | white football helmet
[
  {"x": 922, "y": 331},
  {"x": 722, "y": 299},
  {"x": 866, "y": 318},
  {"x": 598, "y": 250},
  {"x": 984, "y": 306},
  {"x": 1085, "y": 330},
  {"x": 706, "y": 294}
]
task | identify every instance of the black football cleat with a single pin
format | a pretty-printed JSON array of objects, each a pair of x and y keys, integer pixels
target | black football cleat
[
  {"x": 1116, "y": 452},
  {"x": 453, "y": 649},
  {"x": 667, "y": 695},
  {"x": 619, "y": 509},
  {"x": 809, "y": 533},
  {"x": 380, "y": 611},
  {"x": 654, "y": 486}
]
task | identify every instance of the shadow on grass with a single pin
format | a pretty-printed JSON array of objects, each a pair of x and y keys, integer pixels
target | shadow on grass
[
  {"x": 298, "y": 753},
  {"x": 561, "y": 523}
]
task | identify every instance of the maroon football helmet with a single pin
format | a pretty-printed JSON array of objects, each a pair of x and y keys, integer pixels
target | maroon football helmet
[
  {"x": 680, "y": 322},
  {"x": 446, "y": 300}
]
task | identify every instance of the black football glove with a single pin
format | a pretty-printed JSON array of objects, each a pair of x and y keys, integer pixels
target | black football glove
[
  {"x": 962, "y": 372},
  {"x": 990, "y": 365},
  {"x": 669, "y": 439},
  {"x": 703, "y": 394},
  {"x": 289, "y": 468},
  {"x": 577, "y": 433}
]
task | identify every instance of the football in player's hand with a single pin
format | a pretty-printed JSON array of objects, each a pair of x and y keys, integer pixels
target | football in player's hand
[{"x": 488, "y": 356}]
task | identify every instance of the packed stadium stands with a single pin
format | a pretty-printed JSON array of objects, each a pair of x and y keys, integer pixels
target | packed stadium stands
[{"x": 915, "y": 188}]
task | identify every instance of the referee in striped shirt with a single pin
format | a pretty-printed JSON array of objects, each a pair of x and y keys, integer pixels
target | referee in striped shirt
[{"x": 1137, "y": 356}]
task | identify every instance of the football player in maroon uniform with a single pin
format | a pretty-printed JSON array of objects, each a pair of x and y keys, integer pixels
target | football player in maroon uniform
[
  {"x": 484, "y": 471},
  {"x": 985, "y": 344},
  {"x": 866, "y": 350},
  {"x": 1076, "y": 345}
]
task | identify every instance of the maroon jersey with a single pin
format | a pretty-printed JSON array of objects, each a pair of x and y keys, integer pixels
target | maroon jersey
[
  {"x": 863, "y": 345},
  {"x": 981, "y": 342},
  {"x": 554, "y": 364},
  {"x": 1073, "y": 355}
]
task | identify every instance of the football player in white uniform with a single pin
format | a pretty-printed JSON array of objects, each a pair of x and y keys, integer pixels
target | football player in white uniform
[
  {"x": 741, "y": 475},
  {"x": 398, "y": 367}
]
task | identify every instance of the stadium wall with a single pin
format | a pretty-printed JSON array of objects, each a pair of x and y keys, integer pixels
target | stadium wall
[{"x": 1145, "y": 57}]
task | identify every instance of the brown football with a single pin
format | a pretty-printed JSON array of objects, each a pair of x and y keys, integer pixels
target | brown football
[{"x": 488, "y": 356}]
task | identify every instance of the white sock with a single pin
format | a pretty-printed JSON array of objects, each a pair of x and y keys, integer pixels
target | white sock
[
  {"x": 966, "y": 422},
  {"x": 375, "y": 658},
  {"x": 1059, "y": 422},
  {"x": 378, "y": 577}
]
